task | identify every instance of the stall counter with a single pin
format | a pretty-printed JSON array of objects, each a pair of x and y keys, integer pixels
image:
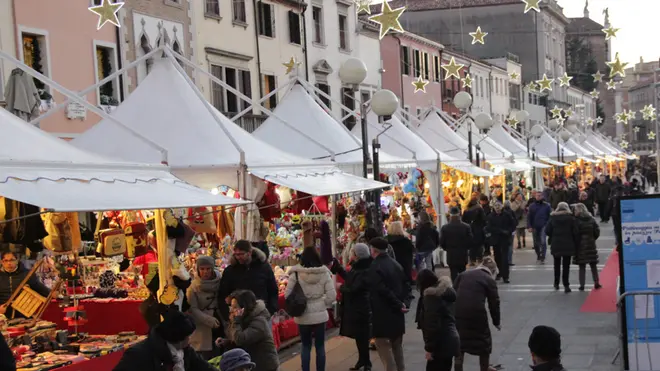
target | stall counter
[{"x": 105, "y": 317}]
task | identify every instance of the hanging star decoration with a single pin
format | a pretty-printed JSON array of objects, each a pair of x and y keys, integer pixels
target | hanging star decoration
[
  {"x": 636, "y": 129},
  {"x": 514, "y": 76},
  {"x": 467, "y": 81},
  {"x": 107, "y": 12},
  {"x": 599, "y": 120},
  {"x": 513, "y": 122},
  {"x": 617, "y": 67},
  {"x": 611, "y": 85},
  {"x": 363, "y": 6},
  {"x": 594, "y": 93},
  {"x": 623, "y": 144},
  {"x": 569, "y": 113},
  {"x": 648, "y": 112},
  {"x": 556, "y": 112},
  {"x": 624, "y": 135},
  {"x": 545, "y": 83},
  {"x": 565, "y": 80},
  {"x": 620, "y": 118},
  {"x": 560, "y": 120},
  {"x": 388, "y": 19},
  {"x": 590, "y": 122},
  {"x": 610, "y": 32},
  {"x": 651, "y": 135},
  {"x": 598, "y": 77},
  {"x": 478, "y": 36},
  {"x": 532, "y": 5},
  {"x": 452, "y": 69},
  {"x": 532, "y": 86},
  {"x": 629, "y": 115},
  {"x": 420, "y": 85},
  {"x": 290, "y": 65}
]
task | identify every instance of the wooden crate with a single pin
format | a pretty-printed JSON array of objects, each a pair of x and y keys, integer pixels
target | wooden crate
[{"x": 28, "y": 302}]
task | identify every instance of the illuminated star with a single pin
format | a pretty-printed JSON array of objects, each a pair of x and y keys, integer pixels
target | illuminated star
[
  {"x": 611, "y": 85},
  {"x": 594, "y": 93},
  {"x": 513, "y": 122},
  {"x": 556, "y": 112},
  {"x": 363, "y": 6},
  {"x": 107, "y": 12},
  {"x": 420, "y": 85},
  {"x": 569, "y": 112},
  {"x": 598, "y": 77},
  {"x": 452, "y": 69},
  {"x": 617, "y": 67},
  {"x": 565, "y": 80},
  {"x": 620, "y": 118},
  {"x": 599, "y": 120},
  {"x": 545, "y": 83},
  {"x": 478, "y": 36},
  {"x": 629, "y": 115},
  {"x": 624, "y": 144},
  {"x": 290, "y": 65},
  {"x": 388, "y": 19},
  {"x": 610, "y": 32},
  {"x": 467, "y": 81},
  {"x": 560, "y": 120},
  {"x": 514, "y": 76},
  {"x": 636, "y": 129},
  {"x": 651, "y": 135},
  {"x": 532, "y": 86},
  {"x": 532, "y": 5},
  {"x": 648, "y": 112},
  {"x": 590, "y": 122}
]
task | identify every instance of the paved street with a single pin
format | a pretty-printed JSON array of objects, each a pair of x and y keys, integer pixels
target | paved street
[{"x": 589, "y": 339}]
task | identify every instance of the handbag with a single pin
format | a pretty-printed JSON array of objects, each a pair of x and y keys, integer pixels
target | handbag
[
  {"x": 296, "y": 303},
  {"x": 112, "y": 242},
  {"x": 200, "y": 219}
]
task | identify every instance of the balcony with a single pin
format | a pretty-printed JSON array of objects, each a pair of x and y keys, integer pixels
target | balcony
[{"x": 248, "y": 122}]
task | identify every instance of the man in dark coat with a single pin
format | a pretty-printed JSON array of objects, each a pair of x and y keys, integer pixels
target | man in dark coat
[
  {"x": 166, "y": 348},
  {"x": 12, "y": 274},
  {"x": 537, "y": 218},
  {"x": 545, "y": 345},
  {"x": 475, "y": 217},
  {"x": 602, "y": 191},
  {"x": 248, "y": 270},
  {"x": 7, "y": 361},
  {"x": 501, "y": 226},
  {"x": 558, "y": 194},
  {"x": 389, "y": 296},
  {"x": 455, "y": 239},
  {"x": 473, "y": 288}
]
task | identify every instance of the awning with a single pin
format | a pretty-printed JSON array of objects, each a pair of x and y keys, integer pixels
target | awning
[
  {"x": 546, "y": 147},
  {"x": 581, "y": 152},
  {"x": 500, "y": 135},
  {"x": 600, "y": 147},
  {"x": 552, "y": 162}
]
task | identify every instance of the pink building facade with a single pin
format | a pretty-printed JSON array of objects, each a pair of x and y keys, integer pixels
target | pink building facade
[
  {"x": 406, "y": 57},
  {"x": 60, "y": 40}
]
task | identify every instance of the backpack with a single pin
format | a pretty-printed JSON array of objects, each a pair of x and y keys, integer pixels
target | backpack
[{"x": 296, "y": 303}]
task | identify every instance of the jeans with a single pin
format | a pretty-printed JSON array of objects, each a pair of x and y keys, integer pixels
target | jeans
[
  {"x": 583, "y": 273},
  {"x": 318, "y": 333},
  {"x": 563, "y": 268},
  {"x": 540, "y": 243},
  {"x": 455, "y": 270},
  {"x": 390, "y": 352},
  {"x": 424, "y": 260},
  {"x": 439, "y": 364},
  {"x": 362, "y": 343}
]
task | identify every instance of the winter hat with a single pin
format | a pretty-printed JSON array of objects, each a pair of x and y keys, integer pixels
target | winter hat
[
  {"x": 454, "y": 211},
  {"x": 361, "y": 251},
  {"x": 176, "y": 326},
  {"x": 545, "y": 343},
  {"x": 379, "y": 243},
  {"x": 563, "y": 206},
  {"x": 235, "y": 359},
  {"x": 205, "y": 261},
  {"x": 489, "y": 263}
]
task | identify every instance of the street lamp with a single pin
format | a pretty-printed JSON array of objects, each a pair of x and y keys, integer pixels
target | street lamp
[
  {"x": 353, "y": 72},
  {"x": 463, "y": 101}
]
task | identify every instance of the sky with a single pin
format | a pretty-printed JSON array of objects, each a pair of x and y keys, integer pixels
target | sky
[{"x": 635, "y": 18}]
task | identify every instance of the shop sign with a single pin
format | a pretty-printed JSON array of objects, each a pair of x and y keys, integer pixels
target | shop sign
[{"x": 75, "y": 110}]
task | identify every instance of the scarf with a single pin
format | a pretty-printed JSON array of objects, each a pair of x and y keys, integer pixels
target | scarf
[{"x": 177, "y": 358}]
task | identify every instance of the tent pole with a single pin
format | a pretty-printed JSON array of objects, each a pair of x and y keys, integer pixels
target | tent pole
[{"x": 164, "y": 261}]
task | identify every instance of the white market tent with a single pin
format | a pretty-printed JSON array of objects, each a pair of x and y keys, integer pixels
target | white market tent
[
  {"x": 546, "y": 146},
  {"x": 601, "y": 148},
  {"x": 501, "y": 136},
  {"x": 40, "y": 169},
  {"x": 582, "y": 152},
  {"x": 204, "y": 147}
]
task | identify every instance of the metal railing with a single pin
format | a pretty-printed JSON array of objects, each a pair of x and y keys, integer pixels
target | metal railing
[{"x": 642, "y": 311}]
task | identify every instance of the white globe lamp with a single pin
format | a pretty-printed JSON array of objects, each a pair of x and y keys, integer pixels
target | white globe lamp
[
  {"x": 483, "y": 121},
  {"x": 384, "y": 103},
  {"x": 565, "y": 135},
  {"x": 462, "y": 100},
  {"x": 537, "y": 131},
  {"x": 553, "y": 124},
  {"x": 572, "y": 127},
  {"x": 353, "y": 71},
  {"x": 521, "y": 116}
]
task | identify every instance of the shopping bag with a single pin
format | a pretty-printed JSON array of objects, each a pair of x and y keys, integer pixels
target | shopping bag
[
  {"x": 288, "y": 329},
  {"x": 276, "y": 335}
]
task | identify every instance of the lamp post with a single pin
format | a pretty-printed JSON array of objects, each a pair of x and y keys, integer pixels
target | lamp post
[
  {"x": 534, "y": 132},
  {"x": 353, "y": 72},
  {"x": 463, "y": 101}
]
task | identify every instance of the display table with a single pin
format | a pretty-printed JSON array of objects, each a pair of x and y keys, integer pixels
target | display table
[
  {"x": 105, "y": 316},
  {"x": 103, "y": 363}
]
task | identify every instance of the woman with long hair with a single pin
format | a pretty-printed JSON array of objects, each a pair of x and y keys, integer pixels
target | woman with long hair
[
  {"x": 563, "y": 237},
  {"x": 403, "y": 248},
  {"x": 427, "y": 240}
]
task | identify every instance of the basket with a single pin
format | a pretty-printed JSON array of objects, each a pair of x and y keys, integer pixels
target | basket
[{"x": 28, "y": 302}]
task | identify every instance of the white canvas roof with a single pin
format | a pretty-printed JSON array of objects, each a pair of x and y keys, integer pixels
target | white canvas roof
[
  {"x": 495, "y": 153},
  {"x": 519, "y": 151},
  {"x": 599, "y": 146},
  {"x": 582, "y": 152},
  {"x": 45, "y": 171},
  {"x": 204, "y": 147},
  {"x": 546, "y": 146}
]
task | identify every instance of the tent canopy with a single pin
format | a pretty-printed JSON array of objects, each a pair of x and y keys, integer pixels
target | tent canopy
[
  {"x": 45, "y": 171},
  {"x": 580, "y": 151},
  {"x": 495, "y": 153},
  {"x": 599, "y": 146},
  {"x": 501, "y": 136},
  {"x": 203, "y": 146},
  {"x": 546, "y": 146}
]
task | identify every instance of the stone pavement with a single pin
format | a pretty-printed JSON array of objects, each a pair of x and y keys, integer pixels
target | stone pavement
[{"x": 589, "y": 340}]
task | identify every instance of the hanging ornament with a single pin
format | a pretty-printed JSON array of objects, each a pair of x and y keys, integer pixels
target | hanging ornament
[
  {"x": 513, "y": 122},
  {"x": 107, "y": 12},
  {"x": 514, "y": 76},
  {"x": 617, "y": 67},
  {"x": 590, "y": 122},
  {"x": 620, "y": 118},
  {"x": 478, "y": 36},
  {"x": 388, "y": 19},
  {"x": 629, "y": 115},
  {"x": 556, "y": 112},
  {"x": 599, "y": 120},
  {"x": 598, "y": 77},
  {"x": 533, "y": 86},
  {"x": 594, "y": 93},
  {"x": 452, "y": 69},
  {"x": 545, "y": 83},
  {"x": 611, "y": 85},
  {"x": 624, "y": 144},
  {"x": 569, "y": 113},
  {"x": 290, "y": 65},
  {"x": 651, "y": 135},
  {"x": 420, "y": 85},
  {"x": 636, "y": 129},
  {"x": 565, "y": 80},
  {"x": 610, "y": 32},
  {"x": 532, "y": 5},
  {"x": 648, "y": 112},
  {"x": 363, "y": 6},
  {"x": 560, "y": 120},
  {"x": 467, "y": 81}
]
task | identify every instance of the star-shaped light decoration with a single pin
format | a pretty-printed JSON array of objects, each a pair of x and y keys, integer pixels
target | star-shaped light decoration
[
  {"x": 648, "y": 112},
  {"x": 623, "y": 144},
  {"x": 545, "y": 83},
  {"x": 107, "y": 12},
  {"x": 388, "y": 19},
  {"x": 620, "y": 118},
  {"x": 513, "y": 122},
  {"x": 478, "y": 36},
  {"x": 363, "y": 6},
  {"x": 556, "y": 112},
  {"x": 610, "y": 32},
  {"x": 617, "y": 67},
  {"x": 565, "y": 80},
  {"x": 651, "y": 135},
  {"x": 624, "y": 135},
  {"x": 452, "y": 69},
  {"x": 594, "y": 93},
  {"x": 560, "y": 120},
  {"x": 514, "y": 76},
  {"x": 569, "y": 112},
  {"x": 532, "y": 86},
  {"x": 532, "y": 5},
  {"x": 290, "y": 65},
  {"x": 599, "y": 120},
  {"x": 611, "y": 85},
  {"x": 420, "y": 85},
  {"x": 636, "y": 129},
  {"x": 590, "y": 122},
  {"x": 467, "y": 81},
  {"x": 629, "y": 115},
  {"x": 598, "y": 77}
]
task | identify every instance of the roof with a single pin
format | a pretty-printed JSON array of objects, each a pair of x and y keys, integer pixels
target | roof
[
  {"x": 584, "y": 25},
  {"x": 641, "y": 84},
  {"x": 417, "y": 5}
]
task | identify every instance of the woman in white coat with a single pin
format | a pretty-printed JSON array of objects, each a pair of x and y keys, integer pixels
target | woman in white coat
[{"x": 319, "y": 288}]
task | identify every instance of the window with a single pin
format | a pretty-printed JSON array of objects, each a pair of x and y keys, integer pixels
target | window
[
  {"x": 225, "y": 100},
  {"x": 343, "y": 32},
  {"x": 238, "y": 10},
  {"x": 217, "y": 91},
  {"x": 317, "y": 17},
  {"x": 436, "y": 68},
  {"x": 481, "y": 86},
  {"x": 325, "y": 88},
  {"x": 405, "y": 60},
  {"x": 348, "y": 101},
  {"x": 212, "y": 8},
  {"x": 419, "y": 112},
  {"x": 529, "y": 97},
  {"x": 497, "y": 85},
  {"x": 106, "y": 63},
  {"x": 406, "y": 113},
  {"x": 97, "y": 2},
  {"x": 426, "y": 66},
  {"x": 365, "y": 96},
  {"x": 417, "y": 63},
  {"x": 269, "y": 85},
  {"x": 294, "y": 28},
  {"x": 266, "y": 19},
  {"x": 35, "y": 55}
]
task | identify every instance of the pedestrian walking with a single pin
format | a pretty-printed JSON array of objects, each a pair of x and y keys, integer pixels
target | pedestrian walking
[
  {"x": 602, "y": 194},
  {"x": 435, "y": 317},
  {"x": 558, "y": 194},
  {"x": 538, "y": 216},
  {"x": 563, "y": 237},
  {"x": 474, "y": 288},
  {"x": 507, "y": 209},
  {"x": 519, "y": 208},
  {"x": 500, "y": 227},
  {"x": 426, "y": 241},
  {"x": 587, "y": 251},
  {"x": 236, "y": 360},
  {"x": 403, "y": 248},
  {"x": 250, "y": 329},
  {"x": 587, "y": 201},
  {"x": 545, "y": 345},
  {"x": 390, "y": 301},
  {"x": 476, "y": 218},
  {"x": 356, "y": 313},
  {"x": 455, "y": 239},
  {"x": 203, "y": 300}
]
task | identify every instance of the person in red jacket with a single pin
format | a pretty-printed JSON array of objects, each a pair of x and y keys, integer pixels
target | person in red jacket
[{"x": 150, "y": 257}]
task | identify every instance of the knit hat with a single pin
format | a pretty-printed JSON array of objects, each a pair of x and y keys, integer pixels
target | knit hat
[
  {"x": 379, "y": 243},
  {"x": 454, "y": 211},
  {"x": 205, "y": 261},
  {"x": 176, "y": 326},
  {"x": 361, "y": 251},
  {"x": 545, "y": 343},
  {"x": 234, "y": 359}
]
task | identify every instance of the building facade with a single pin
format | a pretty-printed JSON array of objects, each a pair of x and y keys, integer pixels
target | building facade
[
  {"x": 499, "y": 90},
  {"x": 637, "y": 130},
  {"x": 451, "y": 84},
  {"x": 481, "y": 97},
  {"x": 7, "y": 43},
  {"x": 638, "y": 74}
]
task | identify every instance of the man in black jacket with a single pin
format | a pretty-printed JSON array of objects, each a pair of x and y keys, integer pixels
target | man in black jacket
[
  {"x": 456, "y": 239},
  {"x": 602, "y": 191},
  {"x": 7, "y": 361},
  {"x": 545, "y": 345}
]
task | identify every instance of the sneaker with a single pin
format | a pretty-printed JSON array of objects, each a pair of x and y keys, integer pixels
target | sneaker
[
  {"x": 556, "y": 287},
  {"x": 598, "y": 286},
  {"x": 542, "y": 261},
  {"x": 506, "y": 281},
  {"x": 581, "y": 288}
]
